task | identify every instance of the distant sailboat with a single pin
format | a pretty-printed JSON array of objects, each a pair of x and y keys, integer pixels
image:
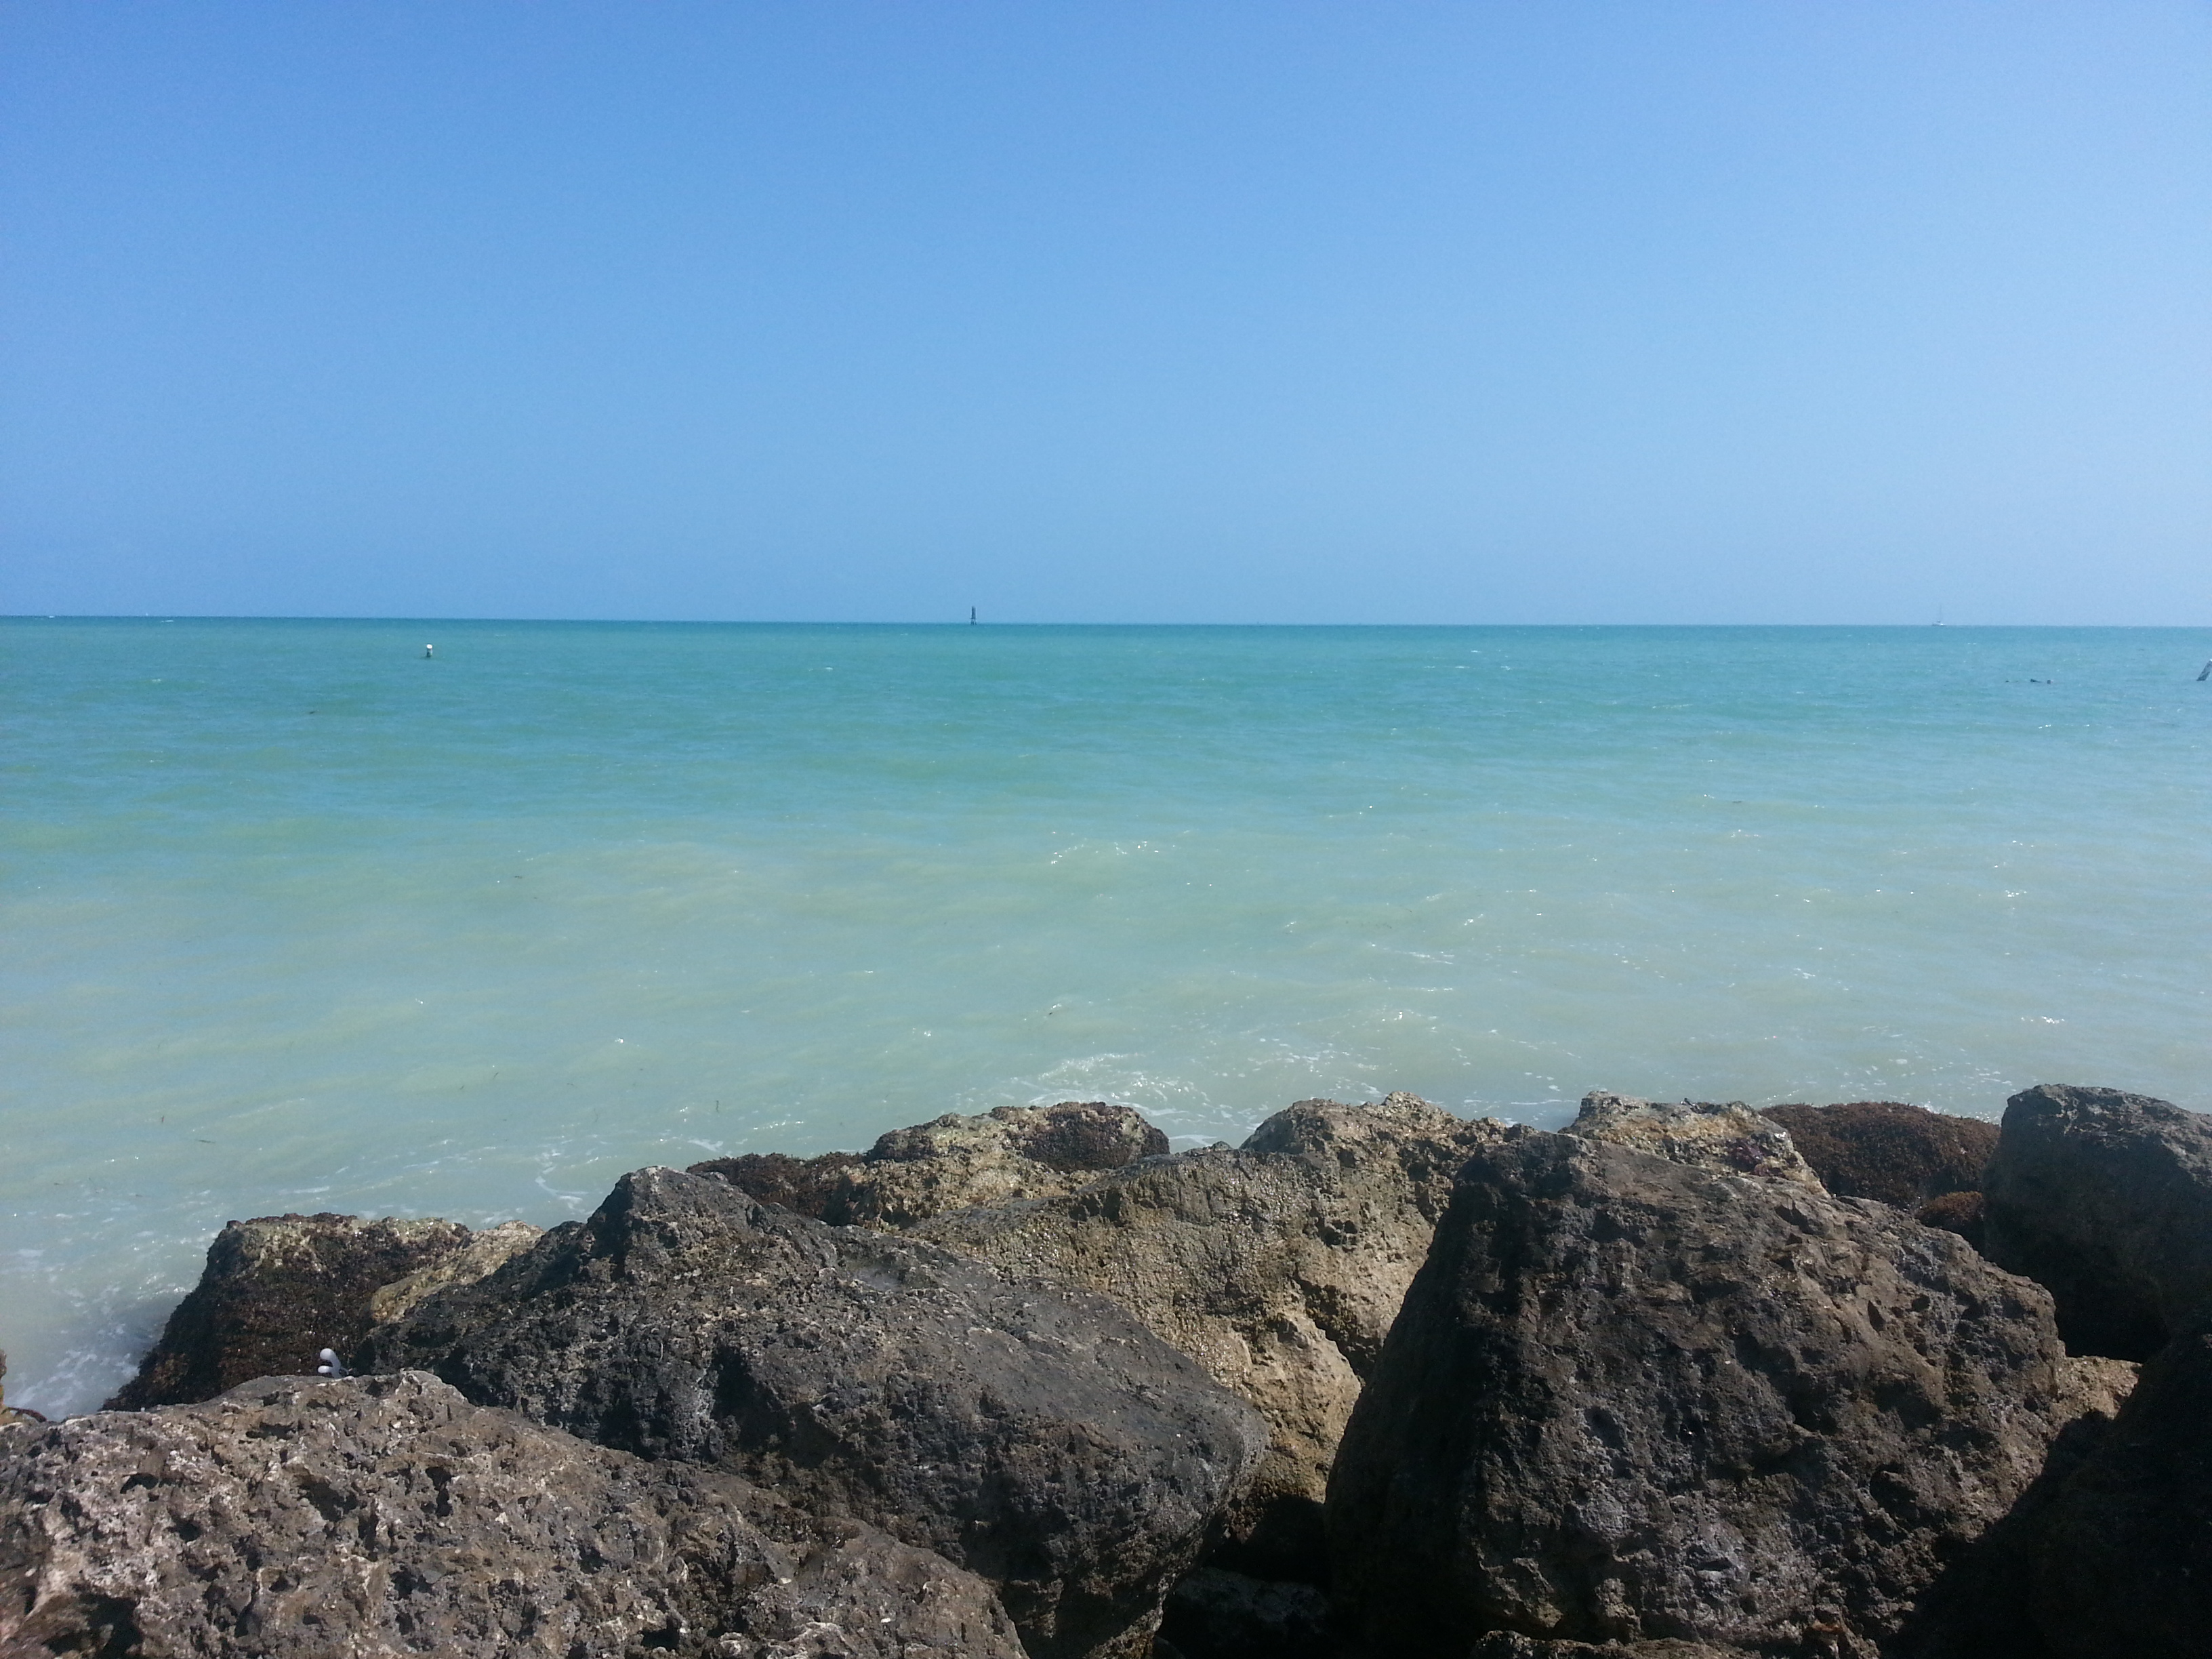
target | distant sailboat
[{"x": 2206, "y": 675}]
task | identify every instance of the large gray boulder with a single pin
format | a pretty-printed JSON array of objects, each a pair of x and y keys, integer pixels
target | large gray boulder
[
  {"x": 1629, "y": 1400},
  {"x": 2105, "y": 1198},
  {"x": 951, "y": 1163},
  {"x": 301, "y": 1518},
  {"x": 1278, "y": 1266},
  {"x": 1045, "y": 1440}
]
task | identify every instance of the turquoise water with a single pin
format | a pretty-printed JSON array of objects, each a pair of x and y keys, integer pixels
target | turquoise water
[{"x": 298, "y": 919}]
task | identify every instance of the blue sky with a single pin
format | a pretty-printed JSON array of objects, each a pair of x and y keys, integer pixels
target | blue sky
[{"x": 1659, "y": 311}]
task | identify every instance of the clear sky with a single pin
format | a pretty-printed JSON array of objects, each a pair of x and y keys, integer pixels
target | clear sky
[{"x": 1130, "y": 310}]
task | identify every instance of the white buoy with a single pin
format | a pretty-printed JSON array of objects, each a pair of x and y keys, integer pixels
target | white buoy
[{"x": 429, "y": 651}]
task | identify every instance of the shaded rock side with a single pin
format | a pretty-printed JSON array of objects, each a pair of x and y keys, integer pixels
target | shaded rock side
[
  {"x": 2105, "y": 1198},
  {"x": 1218, "y": 1614},
  {"x": 2123, "y": 1557},
  {"x": 1884, "y": 1149},
  {"x": 1729, "y": 1138},
  {"x": 1983, "y": 1605},
  {"x": 953, "y": 1162},
  {"x": 1628, "y": 1401},
  {"x": 277, "y": 1290},
  {"x": 1956, "y": 1212},
  {"x": 1048, "y": 1443},
  {"x": 302, "y": 1518},
  {"x": 1278, "y": 1266}
]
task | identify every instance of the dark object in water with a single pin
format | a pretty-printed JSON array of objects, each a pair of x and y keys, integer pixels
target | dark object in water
[{"x": 1903, "y": 1155}]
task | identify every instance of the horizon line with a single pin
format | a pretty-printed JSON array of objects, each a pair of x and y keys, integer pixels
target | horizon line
[{"x": 426, "y": 619}]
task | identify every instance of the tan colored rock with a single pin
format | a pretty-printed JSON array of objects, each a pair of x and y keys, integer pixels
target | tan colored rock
[
  {"x": 2094, "y": 1383},
  {"x": 480, "y": 1257},
  {"x": 1730, "y": 1139},
  {"x": 1278, "y": 1266},
  {"x": 951, "y": 1162}
]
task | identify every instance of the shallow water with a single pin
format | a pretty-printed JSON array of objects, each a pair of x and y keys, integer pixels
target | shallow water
[{"x": 299, "y": 920}]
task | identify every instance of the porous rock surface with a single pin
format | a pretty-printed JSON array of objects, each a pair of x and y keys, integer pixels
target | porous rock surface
[
  {"x": 304, "y": 1518},
  {"x": 1629, "y": 1400},
  {"x": 1504, "y": 1644},
  {"x": 1901, "y": 1154},
  {"x": 2106, "y": 1198},
  {"x": 951, "y": 1162},
  {"x": 1729, "y": 1138},
  {"x": 277, "y": 1290},
  {"x": 1279, "y": 1266},
  {"x": 1044, "y": 1441},
  {"x": 484, "y": 1253}
]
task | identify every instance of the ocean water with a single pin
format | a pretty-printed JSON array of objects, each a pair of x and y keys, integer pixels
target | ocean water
[{"x": 298, "y": 919}]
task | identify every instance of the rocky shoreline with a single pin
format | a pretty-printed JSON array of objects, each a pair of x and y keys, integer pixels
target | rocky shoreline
[{"x": 1680, "y": 1381}]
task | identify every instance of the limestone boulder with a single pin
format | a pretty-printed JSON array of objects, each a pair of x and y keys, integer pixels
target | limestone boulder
[
  {"x": 1043, "y": 1440},
  {"x": 1630, "y": 1401},
  {"x": 2106, "y": 1198},
  {"x": 373, "y": 1517},
  {"x": 276, "y": 1292},
  {"x": 1278, "y": 1266},
  {"x": 1729, "y": 1138},
  {"x": 951, "y": 1162},
  {"x": 486, "y": 1251}
]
